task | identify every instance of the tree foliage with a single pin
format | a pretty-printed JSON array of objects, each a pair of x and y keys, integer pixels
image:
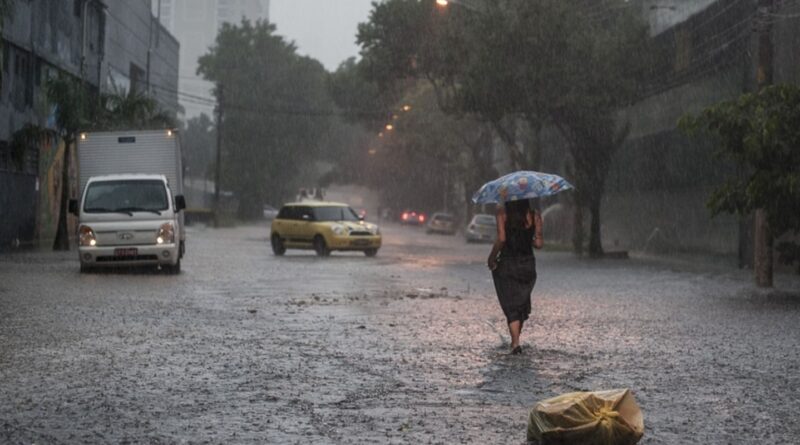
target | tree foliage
[
  {"x": 566, "y": 63},
  {"x": 759, "y": 133},
  {"x": 277, "y": 112},
  {"x": 199, "y": 146}
]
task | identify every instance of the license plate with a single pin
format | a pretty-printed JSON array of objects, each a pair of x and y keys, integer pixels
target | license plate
[
  {"x": 127, "y": 252},
  {"x": 360, "y": 242}
]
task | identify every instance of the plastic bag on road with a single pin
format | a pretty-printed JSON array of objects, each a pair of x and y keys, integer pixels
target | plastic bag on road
[{"x": 587, "y": 418}]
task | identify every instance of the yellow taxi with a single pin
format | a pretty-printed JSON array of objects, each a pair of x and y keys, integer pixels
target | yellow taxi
[{"x": 323, "y": 227}]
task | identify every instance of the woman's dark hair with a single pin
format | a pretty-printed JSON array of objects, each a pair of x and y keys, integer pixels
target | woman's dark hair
[{"x": 517, "y": 212}]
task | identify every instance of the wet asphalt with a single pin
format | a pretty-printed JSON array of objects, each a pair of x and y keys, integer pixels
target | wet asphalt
[{"x": 407, "y": 347}]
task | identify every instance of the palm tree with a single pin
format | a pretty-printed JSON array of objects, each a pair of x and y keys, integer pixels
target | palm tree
[{"x": 71, "y": 101}]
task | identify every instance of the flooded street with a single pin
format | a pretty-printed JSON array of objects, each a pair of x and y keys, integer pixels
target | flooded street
[{"x": 407, "y": 347}]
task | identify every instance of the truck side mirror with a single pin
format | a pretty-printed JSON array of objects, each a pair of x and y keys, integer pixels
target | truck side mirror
[
  {"x": 180, "y": 203},
  {"x": 73, "y": 206}
]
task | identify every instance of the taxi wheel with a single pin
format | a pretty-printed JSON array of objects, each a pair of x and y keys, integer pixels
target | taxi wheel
[
  {"x": 371, "y": 252},
  {"x": 277, "y": 245},
  {"x": 320, "y": 247}
]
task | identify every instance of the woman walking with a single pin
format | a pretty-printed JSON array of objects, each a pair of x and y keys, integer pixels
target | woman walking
[{"x": 513, "y": 265}]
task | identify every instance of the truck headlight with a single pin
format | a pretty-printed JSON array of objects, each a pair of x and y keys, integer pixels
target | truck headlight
[
  {"x": 166, "y": 234},
  {"x": 86, "y": 236},
  {"x": 338, "y": 230}
]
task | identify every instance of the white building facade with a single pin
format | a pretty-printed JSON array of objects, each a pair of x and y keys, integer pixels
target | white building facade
[{"x": 195, "y": 23}]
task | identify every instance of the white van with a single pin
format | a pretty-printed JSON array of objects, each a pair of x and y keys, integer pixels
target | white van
[{"x": 129, "y": 212}]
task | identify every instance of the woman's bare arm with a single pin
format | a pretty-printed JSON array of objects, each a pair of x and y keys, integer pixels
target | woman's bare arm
[
  {"x": 500, "y": 217},
  {"x": 538, "y": 241}
]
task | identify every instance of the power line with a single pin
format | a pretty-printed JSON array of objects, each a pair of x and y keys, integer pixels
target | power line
[{"x": 262, "y": 109}]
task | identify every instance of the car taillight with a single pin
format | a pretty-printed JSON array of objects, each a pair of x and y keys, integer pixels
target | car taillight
[
  {"x": 421, "y": 218},
  {"x": 405, "y": 216}
]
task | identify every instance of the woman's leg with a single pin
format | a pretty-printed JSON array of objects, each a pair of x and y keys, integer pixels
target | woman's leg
[{"x": 515, "y": 328}]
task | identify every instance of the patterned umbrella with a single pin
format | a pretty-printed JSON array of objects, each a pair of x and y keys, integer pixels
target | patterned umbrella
[{"x": 520, "y": 185}]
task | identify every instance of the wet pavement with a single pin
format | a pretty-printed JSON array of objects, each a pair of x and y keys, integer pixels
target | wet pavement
[{"x": 407, "y": 347}]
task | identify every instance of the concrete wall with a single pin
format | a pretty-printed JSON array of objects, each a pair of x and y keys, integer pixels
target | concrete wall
[
  {"x": 44, "y": 37},
  {"x": 96, "y": 40},
  {"x": 661, "y": 179}
]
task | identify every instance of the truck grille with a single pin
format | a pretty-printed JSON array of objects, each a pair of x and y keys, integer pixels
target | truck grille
[{"x": 112, "y": 259}]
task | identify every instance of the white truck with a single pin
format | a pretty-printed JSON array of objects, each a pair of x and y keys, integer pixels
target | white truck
[{"x": 129, "y": 211}]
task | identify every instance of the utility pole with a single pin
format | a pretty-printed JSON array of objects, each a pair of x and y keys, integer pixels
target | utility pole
[
  {"x": 763, "y": 240},
  {"x": 218, "y": 167}
]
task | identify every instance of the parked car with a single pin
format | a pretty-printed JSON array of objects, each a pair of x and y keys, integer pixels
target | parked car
[
  {"x": 482, "y": 228},
  {"x": 323, "y": 227},
  {"x": 270, "y": 212},
  {"x": 443, "y": 223},
  {"x": 412, "y": 217}
]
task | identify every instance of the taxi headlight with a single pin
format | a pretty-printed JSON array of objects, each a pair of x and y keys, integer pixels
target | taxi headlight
[
  {"x": 338, "y": 230},
  {"x": 166, "y": 234},
  {"x": 86, "y": 236}
]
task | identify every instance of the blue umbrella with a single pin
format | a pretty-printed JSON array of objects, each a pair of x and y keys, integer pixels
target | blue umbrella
[{"x": 520, "y": 185}]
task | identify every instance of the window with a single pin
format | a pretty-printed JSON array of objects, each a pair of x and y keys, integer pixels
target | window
[
  {"x": 287, "y": 213},
  {"x": 6, "y": 58},
  {"x": 335, "y": 213},
  {"x": 126, "y": 196},
  {"x": 137, "y": 76},
  {"x": 5, "y": 156},
  {"x": 305, "y": 214}
]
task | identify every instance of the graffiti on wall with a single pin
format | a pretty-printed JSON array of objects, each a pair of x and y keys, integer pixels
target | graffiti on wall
[{"x": 51, "y": 161}]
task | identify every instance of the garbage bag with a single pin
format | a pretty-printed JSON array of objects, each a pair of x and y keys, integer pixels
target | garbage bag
[{"x": 587, "y": 418}]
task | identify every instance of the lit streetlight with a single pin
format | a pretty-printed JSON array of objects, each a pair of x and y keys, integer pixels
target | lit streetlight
[
  {"x": 389, "y": 127},
  {"x": 465, "y": 3}
]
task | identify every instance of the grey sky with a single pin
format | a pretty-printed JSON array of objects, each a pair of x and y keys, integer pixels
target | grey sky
[{"x": 322, "y": 29}]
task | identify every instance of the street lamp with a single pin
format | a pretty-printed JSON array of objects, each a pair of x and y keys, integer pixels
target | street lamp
[{"x": 465, "y": 3}]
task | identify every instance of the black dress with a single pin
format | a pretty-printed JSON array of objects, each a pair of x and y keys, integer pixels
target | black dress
[{"x": 515, "y": 274}]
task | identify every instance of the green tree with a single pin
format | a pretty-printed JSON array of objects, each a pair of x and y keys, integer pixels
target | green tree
[
  {"x": 759, "y": 133},
  {"x": 72, "y": 113},
  {"x": 551, "y": 62},
  {"x": 276, "y": 112},
  {"x": 427, "y": 153},
  {"x": 199, "y": 146}
]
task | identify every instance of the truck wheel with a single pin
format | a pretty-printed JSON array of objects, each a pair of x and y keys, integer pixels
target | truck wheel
[
  {"x": 172, "y": 269},
  {"x": 320, "y": 247},
  {"x": 277, "y": 245},
  {"x": 371, "y": 252}
]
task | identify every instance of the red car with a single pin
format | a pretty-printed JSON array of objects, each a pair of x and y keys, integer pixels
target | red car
[{"x": 413, "y": 217}]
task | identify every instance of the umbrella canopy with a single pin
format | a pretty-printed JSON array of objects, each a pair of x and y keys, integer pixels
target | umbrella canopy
[{"x": 520, "y": 185}]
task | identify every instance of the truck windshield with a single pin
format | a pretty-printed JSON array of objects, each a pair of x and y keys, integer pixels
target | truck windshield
[
  {"x": 334, "y": 213},
  {"x": 126, "y": 196}
]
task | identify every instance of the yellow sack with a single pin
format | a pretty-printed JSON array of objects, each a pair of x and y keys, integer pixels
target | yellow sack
[{"x": 587, "y": 418}]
